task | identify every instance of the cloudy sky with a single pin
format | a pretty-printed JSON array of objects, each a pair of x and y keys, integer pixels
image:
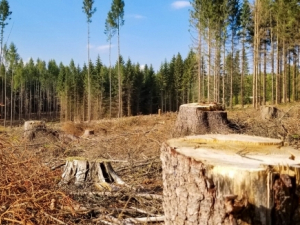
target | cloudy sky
[{"x": 154, "y": 31}]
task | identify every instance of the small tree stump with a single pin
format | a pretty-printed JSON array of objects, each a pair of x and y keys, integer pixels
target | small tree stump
[
  {"x": 197, "y": 118},
  {"x": 269, "y": 112},
  {"x": 88, "y": 133},
  {"x": 84, "y": 172},
  {"x": 230, "y": 179},
  {"x": 31, "y": 127}
]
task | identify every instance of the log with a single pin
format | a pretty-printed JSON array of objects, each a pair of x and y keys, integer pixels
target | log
[
  {"x": 197, "y": 118},
  {"x": 31, "y": 127},
  {"x": 84, "y": 172},
  {"x": 230, "y": 179}
]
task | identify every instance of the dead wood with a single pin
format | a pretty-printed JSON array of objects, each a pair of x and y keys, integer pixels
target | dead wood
[
  {"x": 31, "y": 127},
  {"x": 220, "y": 179},
  {"x": 85, "y": 172},
  {"x": 200, "y": 119},
  {"x": 269, "y": 112}
]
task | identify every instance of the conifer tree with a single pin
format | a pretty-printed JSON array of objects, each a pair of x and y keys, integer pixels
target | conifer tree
[
  {"x": 234, "y": 23},
  {"x": 245, "y": 20},
  {"x": 89, "y": 11},
  {"x": 110, "y": 32},
  {"x": 115, "y": 20},
  {"x": 4, "y": 16},
  {"x": 11, "y": 56}
]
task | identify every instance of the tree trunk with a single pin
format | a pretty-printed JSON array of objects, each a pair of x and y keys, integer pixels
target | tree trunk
[
  {"x": 228, "y": 180},
  {"x": 197, "y": 118}
]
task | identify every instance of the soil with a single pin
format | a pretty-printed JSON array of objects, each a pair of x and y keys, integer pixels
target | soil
[{"x": 30, "y": 172}]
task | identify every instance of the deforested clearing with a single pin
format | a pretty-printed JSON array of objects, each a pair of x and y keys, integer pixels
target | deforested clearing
[{"x": 31, "y": 171}]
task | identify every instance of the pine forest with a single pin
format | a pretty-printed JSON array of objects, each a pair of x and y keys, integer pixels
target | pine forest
[{"x": 242, "y": 53}]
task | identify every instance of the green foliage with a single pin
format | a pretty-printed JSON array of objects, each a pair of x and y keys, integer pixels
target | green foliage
[
  {"x": 88, "y": 9},
  {"x": 116, "y": 14}
]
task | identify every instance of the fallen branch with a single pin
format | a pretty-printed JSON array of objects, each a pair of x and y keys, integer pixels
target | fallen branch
[
  {"x": 142, "y": 211},
  {"x": 112, "y": 220},
  {"x": 118, "y": 194},
  {"x": 55, "y": 219},
  {"x": 145, "y": 219}
]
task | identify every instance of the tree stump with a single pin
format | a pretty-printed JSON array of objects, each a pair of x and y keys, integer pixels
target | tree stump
[
  {"x": 31, "y": 127},
  {"x": 197, "y": 118},
  {"x": 230, "y": 179},
  {"x": 88, "y": 133},
  {"x": 269, "y": 112},
  {"x": 84, "y": 172}
]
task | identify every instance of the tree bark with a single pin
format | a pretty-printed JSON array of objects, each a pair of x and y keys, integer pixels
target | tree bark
[
  {"x": 31, "y": 127},
  {"x": 228, "y": 180},
  {"x": 197, "y": 118},
  {"x": 84, "y": 172}
]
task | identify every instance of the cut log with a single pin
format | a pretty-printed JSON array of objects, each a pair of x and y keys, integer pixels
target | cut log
[
  {"x": 84, "y": 172},
  {"x": 197, "y": 118},
  {"x": 31, "y": 127},
  {"x": 230, "y": 179}
]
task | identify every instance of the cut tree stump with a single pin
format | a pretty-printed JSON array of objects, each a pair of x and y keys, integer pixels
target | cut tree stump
[
  {"x": 195, "y": 118},
  {"x": 230, "y": 179},
  {"x": 85, "y": 172},
  {"x": 88, "y": 133},
  {"x": 31, "y": 127},
  {"x": 269, "y": 112}
]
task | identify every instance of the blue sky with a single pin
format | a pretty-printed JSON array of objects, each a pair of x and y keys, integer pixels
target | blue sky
[{"x": 154, "y": 30}]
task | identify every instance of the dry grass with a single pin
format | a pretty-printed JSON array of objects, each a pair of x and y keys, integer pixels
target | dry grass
[{"x": 28, "y": 185}]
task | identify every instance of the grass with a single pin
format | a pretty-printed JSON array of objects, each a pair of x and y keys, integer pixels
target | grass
[{"x": 28, "y": 185}]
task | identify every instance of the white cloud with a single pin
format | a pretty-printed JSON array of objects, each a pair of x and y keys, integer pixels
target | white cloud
[
  {"x": 103, "y": 48},
  {"x": 180, "y": 4},
  {"x": 136, "y": 16}
]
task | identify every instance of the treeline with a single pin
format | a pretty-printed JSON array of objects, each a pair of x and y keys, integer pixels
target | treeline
[
  {"x": 242, "y": 54},
  {"x": 234, "y": 37},
  {"x": 48, "y": 90},
  {"x": 41, "y": 90}
]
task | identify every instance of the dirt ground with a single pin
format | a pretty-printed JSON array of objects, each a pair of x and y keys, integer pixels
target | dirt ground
[{"x": 30, "y": 172}]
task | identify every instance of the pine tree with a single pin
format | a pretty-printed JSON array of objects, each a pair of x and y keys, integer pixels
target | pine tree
[
  {"x": 115, "y": 20},
  {"x": 110, "y": 32},
  {"x": 4, "y": 16},
  {"x": 89, "y": 11},
  {"x": 11, "y": 56},
  {"x": 234, "y": 23},
  {"x": 245, "y": 20}
]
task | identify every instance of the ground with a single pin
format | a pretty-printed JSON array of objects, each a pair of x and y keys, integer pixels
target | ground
[{"x": 30, "y": 172}]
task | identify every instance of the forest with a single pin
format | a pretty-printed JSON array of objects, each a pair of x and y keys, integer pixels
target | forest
[{"x": 241, "y": 53}]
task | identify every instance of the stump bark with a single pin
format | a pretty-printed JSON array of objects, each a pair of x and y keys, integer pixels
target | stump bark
[
  {"x": 269, "y": 112},
  {"x": 197, "y": 118},
  {"x": 31, "y": 127},
  {"x": 230, "y": 179},
  {"x": 83, "y": 172}
]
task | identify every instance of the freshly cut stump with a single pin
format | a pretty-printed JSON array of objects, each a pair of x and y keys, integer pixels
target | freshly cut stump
[
  {"x": 88, "y": 133},
  {"x": 84, "y": 172},
  {"x": 31, "y": 127},
  {"x": 195, "y": 118},
  {"x": 230, "y": 179}
]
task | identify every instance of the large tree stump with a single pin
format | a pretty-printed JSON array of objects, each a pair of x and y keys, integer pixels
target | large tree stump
[
  {"x": 84, "y": 172},
  {"x": 230, "y": 179},
  {"x": 195, "y": 118}
]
